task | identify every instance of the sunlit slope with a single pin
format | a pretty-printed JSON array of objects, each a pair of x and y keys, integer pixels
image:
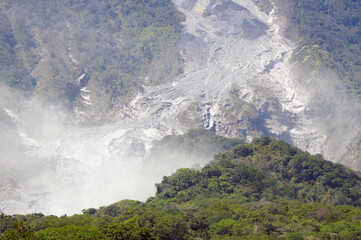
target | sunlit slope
[{"x": 106, "y": 79}]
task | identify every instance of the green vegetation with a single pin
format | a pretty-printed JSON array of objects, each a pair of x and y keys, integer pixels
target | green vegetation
[
  {"x": 267, "y": 169},
  {"x": 264, "y": 190},
  {"x": 12, "y": 70},
  {"x": 122, "y": 45},
  {"x": 331, "y": 33}
]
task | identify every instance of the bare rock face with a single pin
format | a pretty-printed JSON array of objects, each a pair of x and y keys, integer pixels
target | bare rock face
[
  {"x": 242, "y": 72},
  {"x": 238, "y": 82}
]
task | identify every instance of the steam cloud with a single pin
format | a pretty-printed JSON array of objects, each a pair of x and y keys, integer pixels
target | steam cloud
[{"x": 51, "y": 166}]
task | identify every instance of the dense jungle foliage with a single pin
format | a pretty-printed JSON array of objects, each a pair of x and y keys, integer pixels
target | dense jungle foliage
[
  {"x": 264, "y": 190},
  {"x": 331, "y": 35}
]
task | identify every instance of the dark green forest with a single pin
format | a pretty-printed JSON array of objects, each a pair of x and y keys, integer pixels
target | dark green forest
[{"x": 264, "y": 190}]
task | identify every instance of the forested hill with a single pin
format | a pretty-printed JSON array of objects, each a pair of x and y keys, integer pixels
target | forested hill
[
  {"x": 266, "y": 169},
  {"x": 263, "y": 190}
]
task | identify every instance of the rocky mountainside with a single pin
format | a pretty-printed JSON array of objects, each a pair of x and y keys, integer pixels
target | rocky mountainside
[{"x": 104, "y": 80}]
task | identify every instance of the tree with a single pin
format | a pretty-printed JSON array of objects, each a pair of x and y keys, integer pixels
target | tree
[
  {"x": 21, "y": 231},
  {"x": 126, "y": 231}
]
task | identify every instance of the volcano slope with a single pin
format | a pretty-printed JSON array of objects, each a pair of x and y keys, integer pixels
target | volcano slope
[{"x": 102, "y": 81}]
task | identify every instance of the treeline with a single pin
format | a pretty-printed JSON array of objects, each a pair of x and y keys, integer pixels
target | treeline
[
  {"x": 264, "y": 190},
  {"x": 267, "y": 169},
  {"x": 196, "y": 143}
]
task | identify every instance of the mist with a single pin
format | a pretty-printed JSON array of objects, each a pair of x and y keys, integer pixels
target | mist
[
  {"x": 238, "y": 80},
  {"x": 331, "y": 107},
  {"x": 50, "y": 165}
]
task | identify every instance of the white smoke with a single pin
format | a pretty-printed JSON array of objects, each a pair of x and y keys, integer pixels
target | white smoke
[{"x": 52, "y": 166}]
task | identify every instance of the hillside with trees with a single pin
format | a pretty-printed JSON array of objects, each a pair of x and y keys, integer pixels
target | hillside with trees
[
  {"x": 328, "y": 60},
  {"x": 264, "y": 190},
  {"x": 118, "y": 47},
  {"x": 329, "y": 34}
]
